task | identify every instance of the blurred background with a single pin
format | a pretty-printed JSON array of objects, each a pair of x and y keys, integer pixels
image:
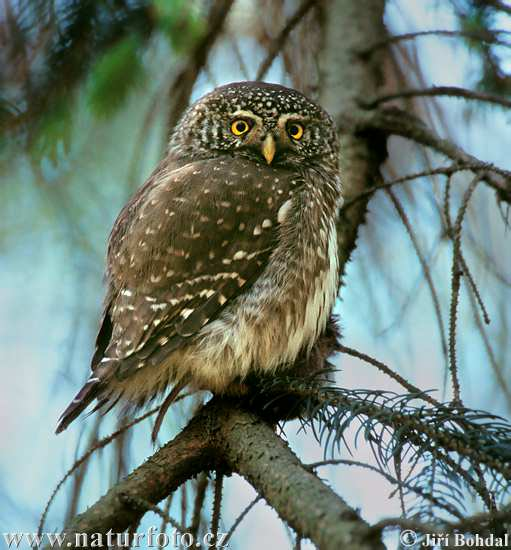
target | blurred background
[{"x": 89, "y": 92}]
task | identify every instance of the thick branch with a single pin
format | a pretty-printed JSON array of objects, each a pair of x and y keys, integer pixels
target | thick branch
[
  {"x": 180, "y": 459},
  {"x": 302, "y": 500},
  {"x": 345, "y": 78},
  {"x": 397, "y": 122},
  {"x": 222, "y": 435}
]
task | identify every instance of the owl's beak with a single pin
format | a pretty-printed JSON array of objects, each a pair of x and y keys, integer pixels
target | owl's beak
[{"x": 268, "y": 148}]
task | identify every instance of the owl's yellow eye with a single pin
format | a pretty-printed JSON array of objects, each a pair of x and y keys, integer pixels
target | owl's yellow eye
[
  {"x": 240, "y": 127},
  {"x": 295, "y": 130}
]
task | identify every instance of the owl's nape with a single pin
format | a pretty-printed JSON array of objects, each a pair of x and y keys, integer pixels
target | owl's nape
[{"x": 223, "y": 266}]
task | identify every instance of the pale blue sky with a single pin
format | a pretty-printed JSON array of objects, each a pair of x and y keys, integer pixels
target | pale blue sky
[{"x": 50, "y": 295}]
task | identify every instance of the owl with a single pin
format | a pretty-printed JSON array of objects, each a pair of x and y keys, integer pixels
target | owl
[{"x": 223, "y": 266}]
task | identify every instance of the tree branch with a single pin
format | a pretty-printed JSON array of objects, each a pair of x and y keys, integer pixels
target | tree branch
[
  {"x": 498, "y": 5},
  {"x": 484, "y": 35},
  {"x": 397, "y": 122},
  {"x": 301, "y": 499},
  {"x": 450, "y": 91},
  {"x": 345, "y": 77},
  {"x": 280, "y": 40},
  {"x": 425, "y": 268},
  {"x": 476, "y": 522},
  {"x": 182, "y": 86},
  {"x": 389, "y": 372},
  {"x": 179, "y": 460},
  {"x": 244, "y": 443},
  {"x": 441, "y": 170}
]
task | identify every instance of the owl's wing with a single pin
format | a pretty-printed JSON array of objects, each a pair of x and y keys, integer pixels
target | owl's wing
[
  {"x": 196, "y": 238},
  {"x": 186, "y": 245}
]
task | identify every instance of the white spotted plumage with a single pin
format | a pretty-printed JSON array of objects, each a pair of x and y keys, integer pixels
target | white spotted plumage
[{"x": 222, "y": 265}]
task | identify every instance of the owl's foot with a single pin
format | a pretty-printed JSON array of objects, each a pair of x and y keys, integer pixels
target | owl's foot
[{"x": 272, "y": 397}]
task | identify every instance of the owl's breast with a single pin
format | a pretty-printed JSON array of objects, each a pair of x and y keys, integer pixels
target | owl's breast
[
  {"x": 287, "y": 309},
  {"x": 311, "y": 292}
]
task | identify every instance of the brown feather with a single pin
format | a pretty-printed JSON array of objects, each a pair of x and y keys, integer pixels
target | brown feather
[{"x": 87, "y": 394}]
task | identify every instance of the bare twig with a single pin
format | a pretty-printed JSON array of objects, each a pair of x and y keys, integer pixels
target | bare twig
[
  {"x": 472, "y": 523},
  {"x": 399, "y": 476},
  {"x": 449, "y": 91},
  {"x": 304, "y": 502},
  {"x": 166, "y": 510},
  {"x": 389, "y": 372},
  {"x": 80, "y": 472},
  {"x": 98, "y": 445},
  {"x": 132, "y": 529},
  {"x": 441, "y": 170},
  {"x": 184, "y": 502},
  {"x": 463, "y": 263},
  {"x": 473, "y": 286},
  {"x": 145, "y": 506},
  {"x": 280, "y": 40},
  {"x": 240, "y": 518},
  {"x": 182, "y": 458},
  {"x": 500, "y": 377},
  {"x": 455, "y": 287},
  {"x": 397, "y": 122},
  {"x": 425, "y": 268},
  {"x": 217, "y": 505},
  {"x": 490, "y": 36},
  {"x": 200, "y": 494},
  {"x": 391, "y": 479}
]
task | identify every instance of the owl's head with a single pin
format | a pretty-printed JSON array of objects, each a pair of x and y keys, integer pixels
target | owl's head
[{"x": 264, "y": 122}]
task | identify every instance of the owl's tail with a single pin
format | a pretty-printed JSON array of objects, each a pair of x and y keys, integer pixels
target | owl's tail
[
  {"x": 171, "y": 397},
  {"x": 81, "y": 401}
]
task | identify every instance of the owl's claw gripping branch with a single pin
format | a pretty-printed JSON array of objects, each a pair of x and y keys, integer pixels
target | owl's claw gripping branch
[{"x": 241, "y": 442}]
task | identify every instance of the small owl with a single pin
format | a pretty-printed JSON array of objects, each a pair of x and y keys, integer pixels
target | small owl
[{"x": 223, "y": 266}]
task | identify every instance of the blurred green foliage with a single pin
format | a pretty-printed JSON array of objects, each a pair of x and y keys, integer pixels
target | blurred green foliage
[
  {"x": 98, "y": 49},
  {"x": 181, "y": 22},
  {"x": 54, "y": 129},
  {"x": 114, "y": 75},
  {"x": 483, "y": 20}
]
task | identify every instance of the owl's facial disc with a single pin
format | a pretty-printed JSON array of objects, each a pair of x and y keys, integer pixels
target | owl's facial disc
[
  {"x": 265, "y": 123},
  {"x": 266, "y": 137}
]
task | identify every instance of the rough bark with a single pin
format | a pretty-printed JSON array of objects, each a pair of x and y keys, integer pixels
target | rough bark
[
  {"x": 161, "y": 474},
  {"x": 347, "y": 78},
  {"x": 223, "y": 436},
  {"x": 251, "y": 448}
]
